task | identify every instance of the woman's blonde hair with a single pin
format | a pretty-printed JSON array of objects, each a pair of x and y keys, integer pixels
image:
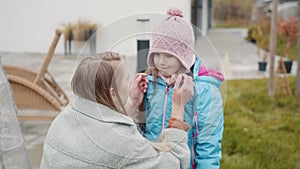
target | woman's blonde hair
[{"x": 94, "y": 78}]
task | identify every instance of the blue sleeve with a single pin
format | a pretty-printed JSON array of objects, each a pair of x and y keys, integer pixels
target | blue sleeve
[{"x": 209, "y": 105}]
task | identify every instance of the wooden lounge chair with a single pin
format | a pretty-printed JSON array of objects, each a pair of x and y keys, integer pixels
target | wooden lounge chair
[{"x": 37, "y": 91}]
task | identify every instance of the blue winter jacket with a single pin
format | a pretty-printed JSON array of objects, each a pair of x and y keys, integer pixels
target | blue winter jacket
[{"x": 204, "y": 113}]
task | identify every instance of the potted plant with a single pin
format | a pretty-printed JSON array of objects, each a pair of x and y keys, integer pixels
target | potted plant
[
  {"x": 262, "y": 65},
  {"x": 80, "y": 31},
  {"x": 287, "y": 29},
  {"x": 252, "y": 33},
  {"x": 257, "y": 34}
]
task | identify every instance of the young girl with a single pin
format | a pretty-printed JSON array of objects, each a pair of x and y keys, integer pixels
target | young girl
[
  {"x": 95, "y": 131},
  {"x": 171, "y": 54}
]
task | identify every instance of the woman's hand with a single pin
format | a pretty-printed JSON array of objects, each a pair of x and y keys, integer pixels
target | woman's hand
[
  {"x": 138, "y": 86},
  {"x": 182, "y": 93}
]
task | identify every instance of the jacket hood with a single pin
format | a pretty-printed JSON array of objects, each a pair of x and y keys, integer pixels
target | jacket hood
[{"x": 201, "y": 73}]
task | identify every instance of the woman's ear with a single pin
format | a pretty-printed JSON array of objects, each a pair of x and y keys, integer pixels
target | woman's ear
[{"x": 112, "y": 92}]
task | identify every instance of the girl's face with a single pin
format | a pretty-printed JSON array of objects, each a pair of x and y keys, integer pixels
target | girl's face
[{"x": 167, "y": 64}]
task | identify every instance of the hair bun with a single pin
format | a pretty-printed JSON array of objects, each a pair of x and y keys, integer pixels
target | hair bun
[{"x": 175, "y": 11}]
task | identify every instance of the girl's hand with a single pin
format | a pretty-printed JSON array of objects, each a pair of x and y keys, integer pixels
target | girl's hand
[
  {"x": 182, "y": 93},
  {"x": 138, "y": 86}
]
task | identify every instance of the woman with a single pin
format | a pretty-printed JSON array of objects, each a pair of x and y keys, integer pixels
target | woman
[{"x": 95, "y": 131}]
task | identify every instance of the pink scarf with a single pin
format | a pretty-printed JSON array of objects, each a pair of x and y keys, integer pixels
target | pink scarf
[{"x": 169, "y": 80}]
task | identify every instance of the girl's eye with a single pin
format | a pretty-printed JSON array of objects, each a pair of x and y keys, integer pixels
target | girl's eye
[{"x": 156, "y": 54}]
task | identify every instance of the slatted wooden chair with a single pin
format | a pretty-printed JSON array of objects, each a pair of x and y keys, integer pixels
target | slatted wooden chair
[{"x": 37, "y": 92}]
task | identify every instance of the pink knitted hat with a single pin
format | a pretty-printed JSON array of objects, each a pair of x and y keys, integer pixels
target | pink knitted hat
[{"x": 174, "y": 36}]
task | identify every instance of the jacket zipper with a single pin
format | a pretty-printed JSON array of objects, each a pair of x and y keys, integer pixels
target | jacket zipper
[
  {"x": 165, "y": 108},
  {"x": 194, "y": 136}
]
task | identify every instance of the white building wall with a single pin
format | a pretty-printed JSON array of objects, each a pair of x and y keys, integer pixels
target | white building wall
[{"x": 28, "y": 26}]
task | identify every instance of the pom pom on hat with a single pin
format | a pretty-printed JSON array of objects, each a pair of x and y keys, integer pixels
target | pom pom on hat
[{"x": 175, "y": 11}]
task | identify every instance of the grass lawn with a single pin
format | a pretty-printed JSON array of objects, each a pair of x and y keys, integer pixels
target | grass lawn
[{"x": 260, "y": 132}]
